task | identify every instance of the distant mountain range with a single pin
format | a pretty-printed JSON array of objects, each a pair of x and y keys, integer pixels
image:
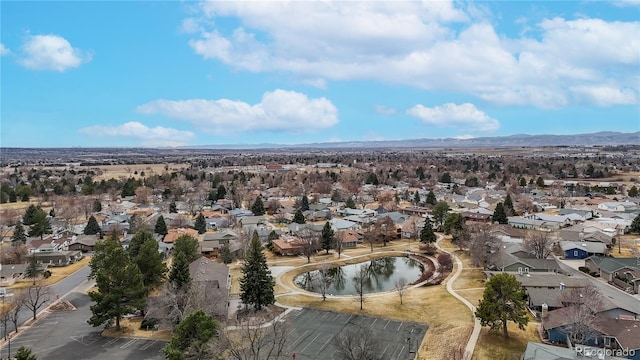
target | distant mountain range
[{"x": 520, "y": 140}]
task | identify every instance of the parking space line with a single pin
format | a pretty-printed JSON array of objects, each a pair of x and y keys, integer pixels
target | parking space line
[
  {"x": 111, "y": 342},
  {"x": 128, "y": 343},
  {"x": 148, "y": 345},
  {"x": 310, "y": 342}
]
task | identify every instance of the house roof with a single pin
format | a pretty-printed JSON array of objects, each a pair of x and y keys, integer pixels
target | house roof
[
  {"x": 222, "y": 235},
  {"x": 538, "y": 351},
  {"x": 588, "y": 246},
  {"x": 612, "y": 264},
  {"x": 549, "y": 279},
  {"x": 539, "y": 296},
  {"x": 203, "y": 269},
  {"x": 11, "y": 269},
  {"x": 627, "y": 332}
]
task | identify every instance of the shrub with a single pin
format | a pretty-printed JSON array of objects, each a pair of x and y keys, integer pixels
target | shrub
[{"x": 148, "y": 323}]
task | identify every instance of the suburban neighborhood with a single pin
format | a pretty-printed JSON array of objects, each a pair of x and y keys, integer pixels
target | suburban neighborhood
[{"x": 571, "y": 245}]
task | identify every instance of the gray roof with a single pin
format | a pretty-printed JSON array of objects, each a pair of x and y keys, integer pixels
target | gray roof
[
  {"x": 538, "y": 351},
  {"x": 549, "y": 279},
  {"x": 612, "y": 264},
  {"x": 588, "y": 246},
  {"x": 539, "y": 296}
]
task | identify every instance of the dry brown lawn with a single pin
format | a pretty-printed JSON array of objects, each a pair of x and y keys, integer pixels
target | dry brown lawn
[
  {"x": 626, "y": 246},
  {"x": 492, "y": 346},
  {"x": 130, "y": 327}
]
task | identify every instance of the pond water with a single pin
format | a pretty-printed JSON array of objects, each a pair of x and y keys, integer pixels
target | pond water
[{"x": 381, "y": 275}]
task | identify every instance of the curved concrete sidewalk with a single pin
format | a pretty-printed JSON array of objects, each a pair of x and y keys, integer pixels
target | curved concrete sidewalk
[{"x": 473, "y": 339}]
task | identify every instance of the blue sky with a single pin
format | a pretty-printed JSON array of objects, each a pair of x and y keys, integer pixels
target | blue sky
[{"x": 171, "y": 73}]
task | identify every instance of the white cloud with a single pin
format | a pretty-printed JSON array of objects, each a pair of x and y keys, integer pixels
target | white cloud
[
  {"x": 384, "y": 110},
  {"x": 604, "y": 95},
  {"x": 465, "y": 116},
  {"x": 4, "y": 50},
  {"x": 439, "y": 46},
  {"x": 51, "y": 52},
  {"x": 156, "y": 136},
  {"x": 278, "y": 110}
]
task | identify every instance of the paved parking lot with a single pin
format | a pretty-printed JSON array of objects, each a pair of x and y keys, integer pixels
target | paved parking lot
[
  {"x": 311, "y": 334},
  {"x": 67, "y": 335}
]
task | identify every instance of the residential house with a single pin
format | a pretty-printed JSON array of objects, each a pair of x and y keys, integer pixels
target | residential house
[
  {"x": 477, "y": 217},
  {"x": 582, "y": 249},
  {"x": 535, "y": 224},
  {"x": 342, "y": 224},
  {"x": 622, "y": 272},
  {"x": 213, "y": 242},
  {"x": 10, "y": 273},
  {"x": 503, "y": 261},
  {"x": 356, "y": 212},
  {"x": 582, "y": 215},
  {"x": 173, "y": 234},
  {"x": 214, "y": 281},
  {"x": 58, "y": 258},
  {"x": 617, "y": 206},
  {"x": 349, "y": 238},
  {"x": 288, "y": 245},
  {"x": 595, "y": 236},
  {"x": 84, "y": 243},
  {"x": 507, "y": 234}
]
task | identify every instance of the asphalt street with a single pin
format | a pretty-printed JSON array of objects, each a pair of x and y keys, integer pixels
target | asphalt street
[{"x": 58, "y": 289}]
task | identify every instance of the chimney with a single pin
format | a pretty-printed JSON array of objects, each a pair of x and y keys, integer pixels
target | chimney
[{"x": 545, "y": 311}]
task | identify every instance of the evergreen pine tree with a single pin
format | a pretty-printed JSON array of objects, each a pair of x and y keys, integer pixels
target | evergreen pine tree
[
  {"x": 635, "y": 225},
  {"x": 304, "y": 204},
  {"x": 225, "y": 254},
  {"x": 431, "y": 198},
  {"x": 40, "y": 224},
  {"x": 24, "y": 353},
  {"x": 19, "y": 236},
  {"x": 222, "y": 192},
  {"x": 97, "y": 205},
  {"x": 119, "y": 281},
  {"x": 327, "y": 237},
  {"x": 499, "y": 214},
  {"x": 298, "y": 218},
  {"x": 508, "y": 206},
  {"x": 34, "y": 269},
  {"x": 200, "y": 224},
  {"x": 503, "y": 300},
  {"x": 426, "y": 234},
  {"x": 29, "y": 215},
  {"x": 179, "y": 275},
  {"x": 92, "y": 227},
  {"x": 161, "y": 226},
  {"x": 190, "y": 338},
  {"x": 258, "y": 207},
  {"x": 150, "y": 262},
  {"x": 173, "y": 209},
  {"x": 416, "y": 198},
  {"x": 136, "y": 242},
  {"x": 188, "y": 245},
  {"x": 256, "y": 285},
  {"x": 350, "y": 204}
]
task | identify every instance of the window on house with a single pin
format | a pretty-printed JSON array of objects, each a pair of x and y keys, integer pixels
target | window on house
[
  {"x": 575, "y": 253},
  {"x": 607, "y": 341}
]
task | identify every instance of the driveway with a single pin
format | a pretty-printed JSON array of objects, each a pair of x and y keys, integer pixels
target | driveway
[{"x": 60, "y": 335}]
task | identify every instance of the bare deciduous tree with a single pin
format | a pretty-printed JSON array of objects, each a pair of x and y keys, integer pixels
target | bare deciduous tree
[
  {"x": 17, "y": 303},
  {"x": 538, "y": 243},
  {"x": 355, "y": 343},
  {"x": 581, "y": 310},
  {"x": 252, "y": 341},
  {"x": 309, "y": 241},
  {"x": 36, "y": 296},
  {"x": 401, "y": 287},
  {"x": 360, "y": 283},
  {"x": 322, "y": 279},
  {"x": 482, "y": 245},
  {"x": 174, "y": 304}
]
